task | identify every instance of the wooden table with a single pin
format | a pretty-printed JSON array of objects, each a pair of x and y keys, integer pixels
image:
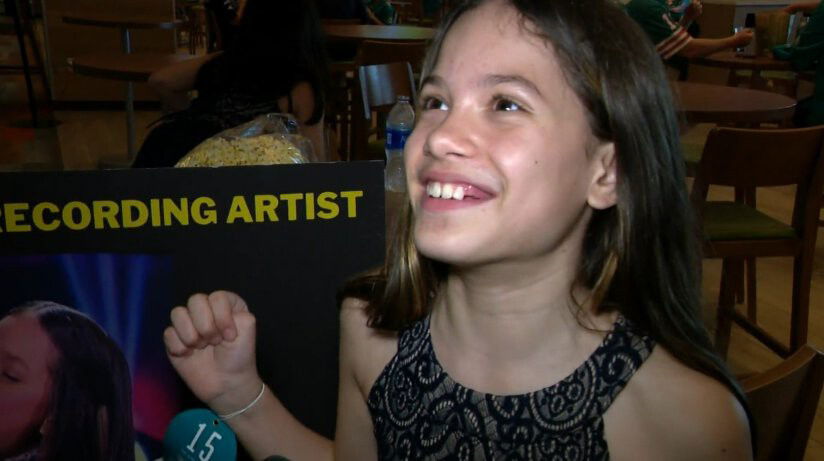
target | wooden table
[
  {"x": 706, "y": 103},
  {"x": 125, "y": 21},
  {"x": 122, "y": 20},
  {"x": 134, "y": 67},
  {"x": 730, "y": 60},
  {"x": 359, "y": 32}
]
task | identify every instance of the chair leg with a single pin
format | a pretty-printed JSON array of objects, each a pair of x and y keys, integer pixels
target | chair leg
[
  {"x": 29, "y": 30},
  {"x": 750, "y": 199},
  {"x": 21, "y": 41},
  {"x": 799, "y": 315},
  {"x": 751, "y": 291},
  {"x": 730, "y": 274}
]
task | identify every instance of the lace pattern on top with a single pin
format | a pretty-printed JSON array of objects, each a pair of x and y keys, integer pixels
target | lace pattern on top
[{"x": 419, "y": 412}]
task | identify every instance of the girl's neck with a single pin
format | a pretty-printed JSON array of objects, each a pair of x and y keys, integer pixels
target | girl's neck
[{"x": 508, "y": 314}]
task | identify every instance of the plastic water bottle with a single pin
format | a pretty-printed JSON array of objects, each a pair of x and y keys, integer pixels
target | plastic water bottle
[{"x": 398, "y": 126}]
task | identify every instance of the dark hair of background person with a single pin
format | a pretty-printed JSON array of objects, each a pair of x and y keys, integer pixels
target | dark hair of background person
[
  {"x": 639, "y": 257},
  {"x": 342, "y": 9},
  {"x": 91, "y": 374},
  {"x": 277, "y": 45}
]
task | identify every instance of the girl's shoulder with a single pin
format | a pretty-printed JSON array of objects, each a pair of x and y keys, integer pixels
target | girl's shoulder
[
  {"x": 670, "y": 411},
  {"x": 365, "y": 350}
]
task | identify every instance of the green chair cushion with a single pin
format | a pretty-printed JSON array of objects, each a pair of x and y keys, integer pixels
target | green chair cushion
[
  {"x": 736, "y": 221},
  {"x": 692, "y": 152}
]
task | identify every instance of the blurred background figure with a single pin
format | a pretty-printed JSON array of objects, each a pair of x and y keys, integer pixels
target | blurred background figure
[
  {"x": 342, "y": 10},
  {"x": 666, "y": 25},
  {"x": 806, "y": 56},
  {"x": 276, "y": 62},
  {"x": 226, "y": 14},
  {"x": 65, "y": 389},
  {"x": 381, "y": 12}
]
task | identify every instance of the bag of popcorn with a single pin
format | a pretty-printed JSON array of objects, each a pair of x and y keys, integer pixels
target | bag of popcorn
[{"x": 267, "y": 140}]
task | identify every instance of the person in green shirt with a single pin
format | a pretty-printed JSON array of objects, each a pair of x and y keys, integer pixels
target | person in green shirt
[
  {"x": 381, "y": 12},
  {"x": 668, "y": 32},
  {"x": 805, "y": 55}
]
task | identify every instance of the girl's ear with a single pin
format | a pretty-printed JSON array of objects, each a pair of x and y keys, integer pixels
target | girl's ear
[
  {"x": 46, "y": 425},
  {"x": 603, "y": 190}
]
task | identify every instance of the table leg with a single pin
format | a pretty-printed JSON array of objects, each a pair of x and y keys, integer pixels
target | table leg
[
  {"x": 130, "y": 135},
  {"x": 126, "y": 42}
]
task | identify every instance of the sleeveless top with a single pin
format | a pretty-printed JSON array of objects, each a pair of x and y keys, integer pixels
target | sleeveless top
[{"x": 419, "y": 412}]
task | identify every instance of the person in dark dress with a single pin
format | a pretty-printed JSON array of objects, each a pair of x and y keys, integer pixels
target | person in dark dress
[{"x": 276, "y": 63}]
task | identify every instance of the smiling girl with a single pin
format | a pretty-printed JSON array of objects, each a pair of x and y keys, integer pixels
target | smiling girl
[{"x": 540, "y": 300}]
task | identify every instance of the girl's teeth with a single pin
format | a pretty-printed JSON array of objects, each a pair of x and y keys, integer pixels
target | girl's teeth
[
  {"x": 434, "y": 189},
  {"x": 445, "y": 191}
]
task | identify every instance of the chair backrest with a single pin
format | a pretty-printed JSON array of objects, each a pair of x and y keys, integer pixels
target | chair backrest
[
  {"x": 381, "y": 84},
  {"x": 783, "y": 402},
  {"x": 408, "y": 11},
  {"x": 384, "y": 52},
  {"x": 751, "y": 158},
  {"x": 379, "y": 87}
]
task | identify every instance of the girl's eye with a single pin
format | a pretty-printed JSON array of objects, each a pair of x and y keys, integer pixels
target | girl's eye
[
  {"x": 507, "y": 105},
  {"x": 11, "y": 377},
  {"x": 430, "y": 103}
]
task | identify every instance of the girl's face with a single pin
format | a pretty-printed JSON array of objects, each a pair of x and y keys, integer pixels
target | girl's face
[
  {"x": 501, "y": 132},
  {"x": 26, "y": 356}
]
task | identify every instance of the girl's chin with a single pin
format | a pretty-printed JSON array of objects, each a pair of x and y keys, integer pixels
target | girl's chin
[{"x": 447, "y": 251}]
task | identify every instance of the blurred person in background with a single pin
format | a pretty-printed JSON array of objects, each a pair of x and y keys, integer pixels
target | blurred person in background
[
  {"x": 275, "y": 63},
  {"x": 806, "y": 55},
  {"x": 667, "y": 28}
]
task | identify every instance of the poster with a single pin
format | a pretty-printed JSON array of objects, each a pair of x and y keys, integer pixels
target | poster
[{"x": 126, "y": 246}]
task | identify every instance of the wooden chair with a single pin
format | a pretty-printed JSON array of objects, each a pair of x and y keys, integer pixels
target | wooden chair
[
  {"x": 783, "y": 402},
  {"x": 346, "y": 102},
  {"x": 21, "y": 24},
  {"x": 383, "y": 52},
  {"x": 197, "y": 24},
  {"x": 747, "y": 159},
  {"x": 408, "y": 11},
  {"x": 379, "y": 86}
]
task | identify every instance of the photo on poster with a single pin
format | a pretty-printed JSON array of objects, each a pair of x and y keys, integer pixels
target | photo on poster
[{"x": 119, "y": 292}]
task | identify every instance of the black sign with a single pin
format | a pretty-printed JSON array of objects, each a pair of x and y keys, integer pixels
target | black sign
[{"x": 126, "y": 246}]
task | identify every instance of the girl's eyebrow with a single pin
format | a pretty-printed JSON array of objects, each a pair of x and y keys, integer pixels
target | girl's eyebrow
[
  {"x": 432, "y": 80},
  {"x": 489, "y": 81},
  {"x": 498, "y": 79}
]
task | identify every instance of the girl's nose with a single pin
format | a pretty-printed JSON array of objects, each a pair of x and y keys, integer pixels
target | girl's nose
[{"x": 452, "y": 136}]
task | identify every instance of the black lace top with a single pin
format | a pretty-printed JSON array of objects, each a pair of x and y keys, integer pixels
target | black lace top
[{"x": 419, "y": 412}]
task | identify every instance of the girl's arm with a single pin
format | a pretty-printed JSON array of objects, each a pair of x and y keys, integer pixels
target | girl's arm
[
  {"x": 270, "y": 429},
  {"x": 806, "y": 7},
  {"x": 303, "y": 100},
  {"x": 211, "y": 345},
  {"x": 173, "y": 83},
  {"x": 355, "y": 439}
]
